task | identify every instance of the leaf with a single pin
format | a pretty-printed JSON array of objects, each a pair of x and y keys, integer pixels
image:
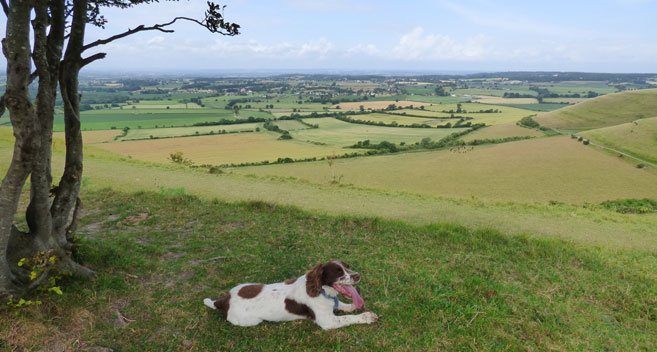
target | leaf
[
  {"x": 56, "y": 290},
  {"x": 34, "y": 275}
]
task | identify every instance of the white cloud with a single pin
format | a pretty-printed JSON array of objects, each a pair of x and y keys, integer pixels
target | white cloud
[{"x": 416, "y": 45}]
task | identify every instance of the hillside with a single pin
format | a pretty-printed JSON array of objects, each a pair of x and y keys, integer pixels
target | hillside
[
  {"x": 437, "y": 287},
  {"x": 604, "y": 111},
  {"x": 581, "y": 224},
  {"x": 637, "y": 138}
]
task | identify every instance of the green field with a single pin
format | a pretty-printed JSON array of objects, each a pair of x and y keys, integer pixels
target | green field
[
  {"x": 605, "y": 111},
  {"x": 146, "y": 118},
  {"x": 290, "y": 125},
  {"x": 638, "y": 138},
  {"x": 338, "y": 133}
]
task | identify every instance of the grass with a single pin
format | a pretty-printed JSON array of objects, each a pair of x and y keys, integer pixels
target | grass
[
  {"x": 400, "y": 119},
  {"x": 539, "y": 107},
  {"x": 484, "y": 99},
  {"x": 290, "y": 125},
  {"x": 604, "y": 111},
  {"x": 539, "y": 170},
  {"x": 638, "y": 138},
  {"x": 582, "y": 224},
  {"x": 338, "y": 133},
  {"x": 108, "y": 118},
  {"x": 501, "y": 131},
  {"x": 94, "y": 137},
  {"x": 434, "y": 287},
  {"x": 506, "y": 115},
  {"x": 146, "y": 133},
  {"x": 221, "y": 149},
  {"x": 382, "y": 104}
]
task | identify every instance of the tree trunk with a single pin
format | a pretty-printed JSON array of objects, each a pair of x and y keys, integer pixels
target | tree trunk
[
  {"x": 23, "y": 119},
  {"x": 33, "y": 123}
]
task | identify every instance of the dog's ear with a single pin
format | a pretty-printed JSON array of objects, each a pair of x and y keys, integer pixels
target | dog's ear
[{"x": 314, "y": 280}]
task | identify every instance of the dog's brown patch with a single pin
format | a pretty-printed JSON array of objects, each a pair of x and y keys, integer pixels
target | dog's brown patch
[
  {"x": 290, "y": 281},
  {"x": 223, "y": 305},
  {"x": 297, "y": 308},
  {"x": 250, "y": 291}
]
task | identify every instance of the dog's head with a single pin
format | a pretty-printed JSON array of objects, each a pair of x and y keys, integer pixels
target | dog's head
[{"x": 337, "y": 275}]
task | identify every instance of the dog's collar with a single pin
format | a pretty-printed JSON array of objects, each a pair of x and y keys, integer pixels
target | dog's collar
[{"x": 334, "y": 298}]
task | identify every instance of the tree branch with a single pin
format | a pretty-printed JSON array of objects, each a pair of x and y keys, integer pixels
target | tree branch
[
  {"x": 92, "y": 58},
  {"x": 213, "y": 22},
  {"x": 5, "y": 7},
  {"x": 129, "y": 32}
]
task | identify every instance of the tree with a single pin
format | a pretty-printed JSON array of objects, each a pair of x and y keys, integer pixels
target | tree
[{"x": 51, "y": 35}]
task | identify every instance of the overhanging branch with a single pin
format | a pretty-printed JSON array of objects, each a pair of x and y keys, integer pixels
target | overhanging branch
[
  {"x": 213, "y": 24},
  {"x": 92, "y": 58}
]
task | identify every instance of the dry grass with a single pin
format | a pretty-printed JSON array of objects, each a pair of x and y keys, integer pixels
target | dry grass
[
  {"x": 402, "y": 120},
  {"x": 604, "y": 111},
  {"x": 93, "y": 137},
  {"x": 374, "y": 105},
  {"x": 485, "y": 99},
  {"x": 502, "y": 131},
  {"x": 537, "y": 170},
  {"x": 221, "y": 149},
  {"x": 638, "y": 138},
  {"x": 565, "y": 100}
]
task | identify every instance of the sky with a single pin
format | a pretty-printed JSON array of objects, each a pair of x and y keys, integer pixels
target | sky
[{"x": 381, "y": 35}]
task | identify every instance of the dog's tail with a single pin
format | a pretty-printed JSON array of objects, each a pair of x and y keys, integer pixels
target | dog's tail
[{"x": 210, "y": 303}]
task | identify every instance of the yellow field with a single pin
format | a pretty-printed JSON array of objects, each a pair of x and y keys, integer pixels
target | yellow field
[
  {"x": 221, "y": 149},
  {"x": 507, "y": 115},
  {"x": 501, "y": 131},
  {"x": 536, "y": 170},
  {"x": 93, "y": 137},
  {"x": 374, "y": 105},
  {"x": 484, "y": 99},
  {"x": 145, "y": 133},
  {"x": 426, "y": 112},
  {"x": 565, "y": 100}
]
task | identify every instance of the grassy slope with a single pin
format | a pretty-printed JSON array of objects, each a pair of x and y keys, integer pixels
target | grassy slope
[
  {"x": 536, "y": 170},
  {"x": 583, "y": 225},
  {"x": 608, "y": 110},
  {"x": 435, "y": 287},
  {"x": 638, "y": 138},
  {"x": 502, "y": 131}
]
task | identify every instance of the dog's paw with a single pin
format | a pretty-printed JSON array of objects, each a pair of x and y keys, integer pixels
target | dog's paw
[{"x": 369, "y": 317}]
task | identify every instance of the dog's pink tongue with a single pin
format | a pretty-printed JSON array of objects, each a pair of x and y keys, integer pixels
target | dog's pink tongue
[{"x": 351, "y": 292}]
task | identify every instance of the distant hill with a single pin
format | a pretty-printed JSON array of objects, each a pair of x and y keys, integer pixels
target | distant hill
[
  {"x": 637, "y": 138},
  {"x": 604, "y": 111}
]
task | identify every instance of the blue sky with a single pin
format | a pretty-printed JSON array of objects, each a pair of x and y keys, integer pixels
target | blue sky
[{"x": 438, "y": 35}]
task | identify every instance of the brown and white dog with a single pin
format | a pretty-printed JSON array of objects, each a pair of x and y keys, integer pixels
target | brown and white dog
[{"x": 313, "y": 295}]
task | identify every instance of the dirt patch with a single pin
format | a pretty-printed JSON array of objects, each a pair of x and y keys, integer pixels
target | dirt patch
[
  {"x": 91, "y": 230},
  {"x": 136, "y": 219},
  {"x": 229, "y": 227}
]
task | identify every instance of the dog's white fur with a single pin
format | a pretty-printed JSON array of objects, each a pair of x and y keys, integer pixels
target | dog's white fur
[{"x": 270, "y": 304}]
